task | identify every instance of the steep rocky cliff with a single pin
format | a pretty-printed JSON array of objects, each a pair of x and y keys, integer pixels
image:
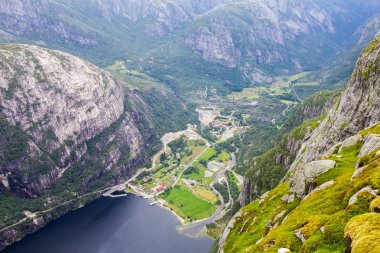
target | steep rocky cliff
[
  {"x": 329, "y": 200},
  {"x": 357, "y": 109},
  {"x": 79, "y": 24},
  {"x": 69, "y": 130},
  {"x": 256, "y": 34},
  {"x": 60, "y": 102}
]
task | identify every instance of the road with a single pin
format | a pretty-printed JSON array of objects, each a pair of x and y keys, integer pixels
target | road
[
  {"x": 39, "y": 213},
  {"x": 294, "y": 91},
  {"x": 173, "y": 136},
  {"x": 198, "y": 228}
]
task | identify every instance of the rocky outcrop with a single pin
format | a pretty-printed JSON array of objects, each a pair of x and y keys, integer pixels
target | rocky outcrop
[
  {"x": 357, "y": 109},
  {"x": 349, "y": 142},
  {"x": 343, "y": 193},
  {"x": 215, "y": 44},
  {"x": 371, "y": 143},
  {"x": 302, "y": 182},
  {"x": 245, "y": 193},
  {"x": 367, "y": 189}
]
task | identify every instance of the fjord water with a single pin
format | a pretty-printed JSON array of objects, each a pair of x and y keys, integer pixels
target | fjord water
[{"x": 113, "y": 225}]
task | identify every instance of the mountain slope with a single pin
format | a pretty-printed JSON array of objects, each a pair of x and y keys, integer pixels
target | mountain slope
[
  {"x": 69, "y": 131},
  {"x": 229, "y": 44},
  {"x": 90, "y": 28},
  {"x": 357, "y": 109},
  {"x": 264, "y": 172},
  {"x": 327, "y": 205},
  {"x": 257, "y": 40}
]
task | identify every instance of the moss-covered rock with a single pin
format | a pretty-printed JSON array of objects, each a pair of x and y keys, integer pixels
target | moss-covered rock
[
  {"x": 362, "y": 234},
  {"x": 375, "y": 205}
]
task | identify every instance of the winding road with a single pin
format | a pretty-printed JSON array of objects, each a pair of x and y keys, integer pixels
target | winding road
[{"x": 198, "y": 228}]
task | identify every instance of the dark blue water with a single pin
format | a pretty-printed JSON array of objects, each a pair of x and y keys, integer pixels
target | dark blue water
[{"x": 113, "y": 225}]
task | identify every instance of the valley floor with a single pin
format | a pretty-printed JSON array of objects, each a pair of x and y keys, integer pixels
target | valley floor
[{"x": 183, "y": 180}]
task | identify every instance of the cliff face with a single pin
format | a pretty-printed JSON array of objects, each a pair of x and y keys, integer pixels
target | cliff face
[
  {"x": 254, "y": 34},
  {"x": 159, "y": 17},
  {"x": 357, "y": 109},
  {"x": 68, "y": 130},
  {"x": 40, "y": 19},
  {"x": 53, "y": 20}
]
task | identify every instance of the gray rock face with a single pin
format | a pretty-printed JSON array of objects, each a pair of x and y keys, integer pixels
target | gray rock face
[
  {"x": 61, "y": 103},
  {"x": 24, "y": 17},
  {"x": 300, "y": 183},
  {"x": 215, "y": 44},
  {"x": 72, "y": 98},
  {"x": 226, "y": 231},
  {"x": 244, "y": 197},
  {"x": 349, "y": 142},
  {"x": 358, "y": 108},
  {"x": 371, "y": 143},
  {"x": 21, "y": 17},
  {"x": 239, "y": 28}
]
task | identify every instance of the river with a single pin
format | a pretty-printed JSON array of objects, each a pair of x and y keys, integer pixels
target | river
[{"x": 113, "y": 225}]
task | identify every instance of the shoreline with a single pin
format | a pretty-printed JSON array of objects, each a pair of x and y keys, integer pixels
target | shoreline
[{"x": 185, "y": 226}]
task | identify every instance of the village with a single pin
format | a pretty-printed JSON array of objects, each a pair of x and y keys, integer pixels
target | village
[{"x": 184, "y": 172}]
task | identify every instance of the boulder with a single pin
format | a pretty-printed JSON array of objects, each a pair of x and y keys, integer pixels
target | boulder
[
  {"x": 322, "y": 186},
  {"x": 283, "y": 250},
  {"x": 316, "y": 168},
  {"x": 334, "y": 149},
  {"x": 300, "y": 235},
  {"x": 351, "y": 141},
  {"x": 301, "y": 182},
  {"x": 368, "y": 189},
  {"x": 371, "y": 144},
  {"x": 357, "y": 172},
  {"x": 375, "y": 205}
]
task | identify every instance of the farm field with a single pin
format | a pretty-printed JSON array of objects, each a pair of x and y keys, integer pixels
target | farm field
[
  {"x": 186, "y": 204},
  {"x": 279, "y": 88}
]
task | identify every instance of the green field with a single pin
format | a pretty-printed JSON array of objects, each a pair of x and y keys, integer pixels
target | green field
[
  {"x": 223, "y": 156},
  {"x": 194, "y": 152},
  {"x": 298, "y": 76},
  {"x": 185, "y": 204},
  {"x": 278, "y": 88},
  {"x": 198, "y": 175},
  {"x": 208, "y": 154}
]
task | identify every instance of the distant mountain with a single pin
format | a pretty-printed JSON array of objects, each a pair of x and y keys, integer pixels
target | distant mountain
[{"x": 229, "y": 44}]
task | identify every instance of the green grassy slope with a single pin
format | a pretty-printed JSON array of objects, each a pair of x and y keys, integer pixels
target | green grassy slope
[{"x": 325, "y": 219}]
